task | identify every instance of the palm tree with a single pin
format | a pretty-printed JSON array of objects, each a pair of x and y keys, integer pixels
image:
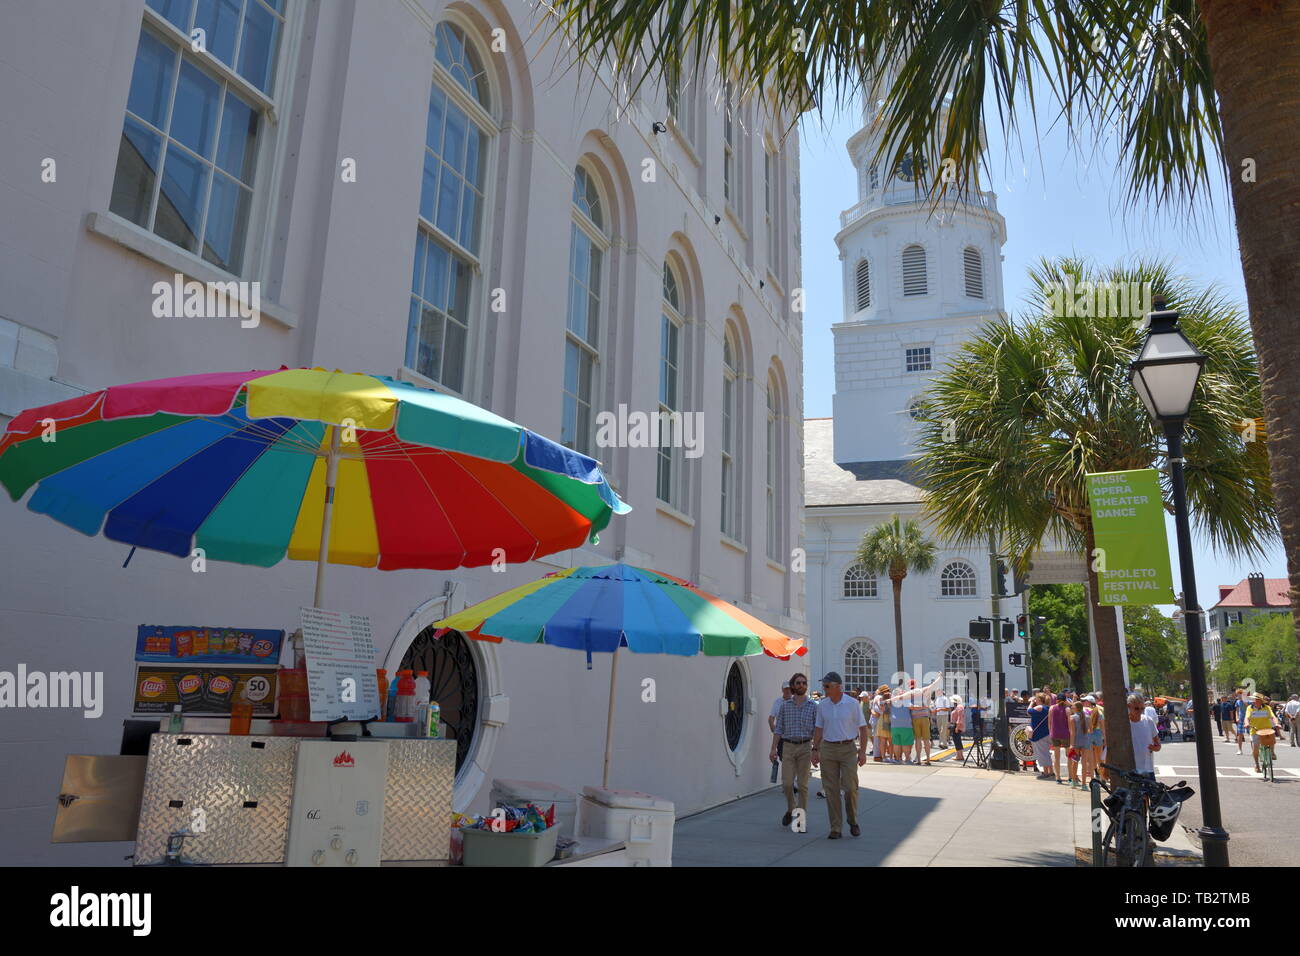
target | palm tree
[
  {"x": 1189, "y": 90},
  {"x": 1039, "y": 404},
  {"x": 895, "y": 548}
]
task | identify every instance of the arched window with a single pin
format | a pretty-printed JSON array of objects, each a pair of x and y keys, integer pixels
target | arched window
[
  {"x": 915, "y": 280},
  {"x": 859, "y": 584},
  {"x": 863, "y": 284},
  {"x": 669, "y": 478},
  {"x": 734, "y": 722},
  {"x": 957, "y": 580},
  {"x": 773, "y": 471},
  {"x": 961, "y": 664},
  {"x": 861, "y": 666},
  {"x": 973, "y": 270},
  {"x": 587, "y": 245},
  {"x": 730, "y": 436},
  {"x": 452, "y": 200}
]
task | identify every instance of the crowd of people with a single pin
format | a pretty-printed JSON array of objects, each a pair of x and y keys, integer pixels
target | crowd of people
[{"x": 1254, "y": 716}]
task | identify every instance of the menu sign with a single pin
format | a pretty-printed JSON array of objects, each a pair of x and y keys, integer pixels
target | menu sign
[
  {"x": 1128, "y": 521},
  {"x": 341, "y": 680},
  {"x": 208, "y": 645},
  {"x": 204, "y": 691}
]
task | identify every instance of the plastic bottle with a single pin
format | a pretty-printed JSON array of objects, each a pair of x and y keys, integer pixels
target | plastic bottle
[
  {"x": 382, "y": 676},
  {"x": 404, "y": 708},
  {"x": 422, "y": 691},
  {"x": 241, "y": 715},
  {"x": 435, "y": 718},
  {"x": 177, "y": 720}
]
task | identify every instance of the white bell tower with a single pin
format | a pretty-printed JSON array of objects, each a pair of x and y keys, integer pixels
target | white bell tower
[{"x": 918, "y": 281}]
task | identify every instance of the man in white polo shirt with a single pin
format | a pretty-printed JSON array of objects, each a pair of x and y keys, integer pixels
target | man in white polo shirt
[
  {"x": 1293, "y": 718},
  {"x": 839, "y": 735}
]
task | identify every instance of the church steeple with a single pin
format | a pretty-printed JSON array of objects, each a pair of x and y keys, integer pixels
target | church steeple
[{"x": 918, "y": 280}]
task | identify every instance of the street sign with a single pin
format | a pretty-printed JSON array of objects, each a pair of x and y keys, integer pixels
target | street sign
[
  {"x": 1057, "y": 567},
  {"x": 1128, "y": 521}
]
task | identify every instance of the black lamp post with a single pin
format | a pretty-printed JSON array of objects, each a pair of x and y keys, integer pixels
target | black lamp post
[{"x": 1165, "y": 375}]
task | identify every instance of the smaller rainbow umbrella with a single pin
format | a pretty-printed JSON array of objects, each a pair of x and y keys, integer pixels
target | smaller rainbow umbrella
[{"x": 600, "y": 609}]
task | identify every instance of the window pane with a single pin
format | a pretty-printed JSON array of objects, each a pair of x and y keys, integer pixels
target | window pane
[
  {"x": 237, "y": 146},
  {"x": 430, "y": 356},
  {"x": 458, "y": 294},
  {"x": 468, "y": 235},
  {"x": 194, "y": 117},
  {"x": 180, "y": 204},
  {"x": 448, "y": 201},
  {"x": 435, "y": 275},
  {"x": 433, "y": 126},
  {"x": 417, "y": 270},
  {"x": 473, "y": 168},
  {"x": 177, "y": 11},
  {"x": 220, "y": 21},
  {"x": 257, "y": 48},
  {"x": 453, "y": 144},
  {"x": 413, "y": 335},
  {"x": 137, "y": 167},
  {"x": 151, "y": 80},
  {"x": 429, "y": 184},
  {"x": 227, "y": 225},
  {"x": 453, "y": 357},
  {"x": 570, "y": 367}
]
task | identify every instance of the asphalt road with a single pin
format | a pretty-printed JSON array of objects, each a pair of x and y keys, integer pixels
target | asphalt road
[{"x": 1258, "y": 815}]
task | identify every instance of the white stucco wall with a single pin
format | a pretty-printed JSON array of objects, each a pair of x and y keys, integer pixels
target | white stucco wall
[{"x": 334, "y": 259}]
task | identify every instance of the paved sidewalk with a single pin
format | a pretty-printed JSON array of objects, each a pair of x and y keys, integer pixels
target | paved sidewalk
[{"x": 910, "y": 816}]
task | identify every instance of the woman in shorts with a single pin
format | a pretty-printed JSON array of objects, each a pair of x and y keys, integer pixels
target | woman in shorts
[
  {"x": 900, "y": 728},
  {"x": 883, "y": 742}
]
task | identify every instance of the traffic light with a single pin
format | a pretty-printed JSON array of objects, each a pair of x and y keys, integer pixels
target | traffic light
[
  {"x": 1036, "y": 626},
  {"x": 1022, "y": 629},
  {"x": 1002, "y": 579},
  {"x": 1016, "y": 659}
]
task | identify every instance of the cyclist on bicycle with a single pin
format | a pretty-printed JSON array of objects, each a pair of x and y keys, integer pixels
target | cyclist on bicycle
[{"x": 1259, "y": 716}]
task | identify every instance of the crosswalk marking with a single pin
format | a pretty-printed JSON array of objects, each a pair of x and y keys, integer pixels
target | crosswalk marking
[{"x": 1227, "y": 773}]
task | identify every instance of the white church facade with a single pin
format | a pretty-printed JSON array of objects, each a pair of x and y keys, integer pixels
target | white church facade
[{"x": 918, "y": 281}]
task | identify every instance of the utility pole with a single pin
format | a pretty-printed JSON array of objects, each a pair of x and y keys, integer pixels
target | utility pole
[{"x": 1001, "y": 752}]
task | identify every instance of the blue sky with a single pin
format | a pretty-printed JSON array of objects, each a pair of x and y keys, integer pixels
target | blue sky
[{"x": 1056, "y": 200}]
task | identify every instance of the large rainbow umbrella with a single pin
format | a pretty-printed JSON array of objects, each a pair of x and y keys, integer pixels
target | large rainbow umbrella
[
  {"x": 600, "y": 609},
  {"x": 333, "y": 467}
]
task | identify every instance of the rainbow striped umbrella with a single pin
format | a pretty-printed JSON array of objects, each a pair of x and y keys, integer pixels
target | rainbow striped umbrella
[
  {"x": 333, "y": 467},
  {"x": 600, "y": 609}
]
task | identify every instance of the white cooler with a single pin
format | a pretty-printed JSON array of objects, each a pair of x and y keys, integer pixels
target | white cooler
[
  {"x": 644, "y": 822},
  {"x": 516, "y": 793}
]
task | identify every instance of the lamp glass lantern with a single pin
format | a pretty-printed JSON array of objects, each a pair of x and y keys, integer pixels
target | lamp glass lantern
[{"x": 1167, "y": 369}]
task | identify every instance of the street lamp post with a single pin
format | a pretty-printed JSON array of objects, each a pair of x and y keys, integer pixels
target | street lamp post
[{"x": 1165, "y": 376}]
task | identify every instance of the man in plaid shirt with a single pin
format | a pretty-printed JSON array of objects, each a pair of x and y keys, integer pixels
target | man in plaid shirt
[{"x": 793, "y": 732}]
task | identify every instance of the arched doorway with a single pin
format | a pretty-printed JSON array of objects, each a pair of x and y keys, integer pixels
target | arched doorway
[{"x": 454, "y": 683}]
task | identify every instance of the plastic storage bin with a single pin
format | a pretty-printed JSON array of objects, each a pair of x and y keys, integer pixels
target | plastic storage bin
[
  {"x": 516, "y": 793},
  {"x": 485, "y": 848},
  {"x": 643, "y": 821}
]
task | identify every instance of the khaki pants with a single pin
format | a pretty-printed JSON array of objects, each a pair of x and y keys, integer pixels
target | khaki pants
[
  {"x": 840, "y": 775},
  {"x": 941, "y": 723},
  {"x": 796, "y": 762}
]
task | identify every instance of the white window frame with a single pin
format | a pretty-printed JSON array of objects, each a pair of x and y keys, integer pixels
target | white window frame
[
  {"x": 918, "y": 358},
  {"x": 977, "y": 263},
  {"x": 924, "y": 267},
  {"x": 954, "y": 585},
  {"x": 730, "y": 482},
  {"x": 487, "y": 122},
  {"x": 860, "y": 272},
  {"x": 600, "y": 240},
  {"x": 673, "y": 455},
  {"x": 773, "y": 471},
  {"x": 871, "y": 653},
  {"x": 870, "y": 584},
  {"x": 270, "y": 148}
]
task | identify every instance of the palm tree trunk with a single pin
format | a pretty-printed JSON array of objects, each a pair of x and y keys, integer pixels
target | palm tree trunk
[
  {"x": 1119, "y": 740},
  {"x": 898, "y": 622},
  {"x": 1255, "y": 54}
]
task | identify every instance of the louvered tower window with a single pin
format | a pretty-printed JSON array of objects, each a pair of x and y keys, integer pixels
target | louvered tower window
[
  {"x": 915, "y": 281},
  {"x": 864, "y": 285},
  {"x": 973, "y": 269}
]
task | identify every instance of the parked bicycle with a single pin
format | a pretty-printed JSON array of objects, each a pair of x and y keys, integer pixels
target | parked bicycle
[{"x": 1142, "y": 812}]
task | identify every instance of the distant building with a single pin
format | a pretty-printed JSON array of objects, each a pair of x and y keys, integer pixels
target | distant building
[{"x": 1251, "y": 597}]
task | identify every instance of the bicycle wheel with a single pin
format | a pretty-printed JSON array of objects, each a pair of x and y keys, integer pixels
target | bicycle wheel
[
  {"x": 1131, "y": 843},
  {"x": 1266, "y": 763}
]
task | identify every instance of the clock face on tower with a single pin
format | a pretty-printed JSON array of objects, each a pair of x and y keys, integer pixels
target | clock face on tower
[{"x": 910, "y": 168}]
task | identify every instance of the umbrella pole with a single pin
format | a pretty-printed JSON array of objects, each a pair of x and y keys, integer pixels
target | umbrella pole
[
  {"x": 327, "y": 514},
  {"x": 609, "y": 718}
]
